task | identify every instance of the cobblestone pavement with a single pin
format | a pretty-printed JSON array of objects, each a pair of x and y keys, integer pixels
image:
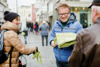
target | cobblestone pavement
[{"x": 48, "y": 59}]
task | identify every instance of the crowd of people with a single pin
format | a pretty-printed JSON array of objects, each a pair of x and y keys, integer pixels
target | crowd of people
[{"x": 85, "y": 51}]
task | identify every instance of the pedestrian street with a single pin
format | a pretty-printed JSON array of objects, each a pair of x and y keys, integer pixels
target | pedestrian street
[{"x": 48, "y": 59}]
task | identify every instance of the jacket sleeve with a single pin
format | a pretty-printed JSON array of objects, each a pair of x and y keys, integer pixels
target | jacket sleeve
[
  {"x": 52, "y": 35},
  {"x": 40, "y": 28},
  {"x": 76, "y": 56},
  {"x": 79, "y": 27},
  {"x": 15, "y": 41}
]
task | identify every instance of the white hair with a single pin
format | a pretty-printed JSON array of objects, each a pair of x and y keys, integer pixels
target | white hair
[{"x": 96, "y": 7}]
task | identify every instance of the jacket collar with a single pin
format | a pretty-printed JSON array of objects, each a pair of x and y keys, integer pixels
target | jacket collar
[
  {"x": 10, "y": 26},
  {"x": 68, "y": 23}
]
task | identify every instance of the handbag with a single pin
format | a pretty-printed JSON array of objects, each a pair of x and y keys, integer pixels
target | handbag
[
  {"x": 34, "y": 26},
  {"x": 23, "y": 33}
]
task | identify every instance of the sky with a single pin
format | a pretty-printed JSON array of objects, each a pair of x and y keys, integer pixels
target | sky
[{"x": 12, "y": 3}]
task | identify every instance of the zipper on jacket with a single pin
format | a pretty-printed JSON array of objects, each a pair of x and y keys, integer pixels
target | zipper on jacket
[
  {"x": 61, "y": 29},
  {"x": 59, "y": 55},
  {"x": 59, "y": 48}
]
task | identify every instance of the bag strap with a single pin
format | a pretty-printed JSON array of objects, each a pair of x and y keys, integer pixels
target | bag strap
[
  {"x": 10, "y": 56},
  {"x": 10, "y": 52}
]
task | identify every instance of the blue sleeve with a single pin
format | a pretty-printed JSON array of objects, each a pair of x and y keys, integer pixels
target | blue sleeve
[
  {"x": 79, "y": 27},
  {"x": 39, "y": 27},
  {"x": 52, "y": 35}
]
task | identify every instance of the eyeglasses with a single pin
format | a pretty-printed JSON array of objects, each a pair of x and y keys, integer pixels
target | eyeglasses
[{"x": 65, "y": 14}]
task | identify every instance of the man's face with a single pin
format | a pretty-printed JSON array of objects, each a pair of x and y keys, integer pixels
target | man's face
[{"x": 63, "y": 14}]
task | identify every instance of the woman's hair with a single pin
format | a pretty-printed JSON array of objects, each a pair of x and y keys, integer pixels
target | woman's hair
[{"x": 64, "y": 6}]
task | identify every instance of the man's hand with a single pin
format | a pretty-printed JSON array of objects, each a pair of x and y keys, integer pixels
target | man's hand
[{"x": 53, "y": 44}]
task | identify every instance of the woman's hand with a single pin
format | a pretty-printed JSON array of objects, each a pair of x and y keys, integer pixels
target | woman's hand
[{"x": 34, "y": 49}]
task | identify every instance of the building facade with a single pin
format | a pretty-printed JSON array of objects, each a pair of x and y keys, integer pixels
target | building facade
[
  {"x": 79, "y": 7},
  {"x": 3, "y": 7},
  {"x": 27, "y": 14},
  {"x": 41, "y": 10}
]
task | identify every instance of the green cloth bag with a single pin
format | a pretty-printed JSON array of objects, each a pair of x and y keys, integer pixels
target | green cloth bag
[
  {"x": 37, "y": 55},
  {"x": 65, "y": 39},
  {"x": 23, "y": 33}
]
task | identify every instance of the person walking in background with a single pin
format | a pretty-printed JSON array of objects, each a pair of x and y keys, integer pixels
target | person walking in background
[
  {"x": 25, "y": 34},
  {"x": 29, "y": 26},
  {"x": 86, "y": 51},
  {"x": 49, "y": 25},
  {"x": 36, "y": 27},
  {"x": 11, "y": 39},
  {"x": 62, "y": 25},
  {"x": 44, "y": 32},
  {"x": 33, "y": 28}
]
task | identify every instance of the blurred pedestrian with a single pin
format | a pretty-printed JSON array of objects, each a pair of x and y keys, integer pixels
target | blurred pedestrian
[
  {"x": 11, "y": 39},
  {"x": 62, "y": 25},
  {"x": 86, "y": 52},
  {"x": 49, "y": 25},
  {"x": 44, "y": 32},
  {"x": 29, "y": 26},
  {"x": 25, "y": 34},
  {"x": 33, "y": 28},
  {"x": 36, "y": 27}
]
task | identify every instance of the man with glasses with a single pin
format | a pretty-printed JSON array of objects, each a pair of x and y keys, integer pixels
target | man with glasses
[
  {"x": 62, "y": 25},
  {"x": 86, "y": 52}
]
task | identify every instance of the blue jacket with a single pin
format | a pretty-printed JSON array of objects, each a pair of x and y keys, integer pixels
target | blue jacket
[
  {"x": 44, "y": 29},
  {"x": 71, "y": 26}
]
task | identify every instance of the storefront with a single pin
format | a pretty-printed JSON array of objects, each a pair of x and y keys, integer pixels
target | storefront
[{"x": 83, "y": 15}]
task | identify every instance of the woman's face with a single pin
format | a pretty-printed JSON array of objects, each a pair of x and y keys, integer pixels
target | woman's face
[{"x": 16, "y": 21}]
